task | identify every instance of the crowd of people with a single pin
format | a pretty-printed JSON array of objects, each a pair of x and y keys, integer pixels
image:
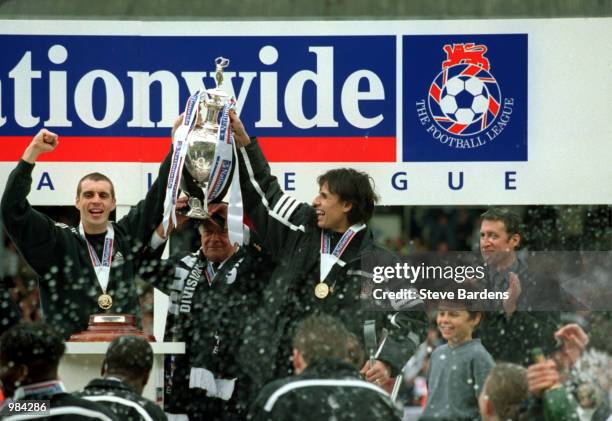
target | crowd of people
[{"x": 277, "y": 328}]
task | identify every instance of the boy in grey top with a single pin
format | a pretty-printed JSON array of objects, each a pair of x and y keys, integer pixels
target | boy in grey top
[{"x": 457, "y": 370}]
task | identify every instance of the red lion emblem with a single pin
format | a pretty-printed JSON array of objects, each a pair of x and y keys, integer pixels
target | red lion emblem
[{"x": 466, "y": 54}]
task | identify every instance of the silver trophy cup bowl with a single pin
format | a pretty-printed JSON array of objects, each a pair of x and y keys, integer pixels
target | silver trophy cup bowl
[{"x": 201, "y": 145}]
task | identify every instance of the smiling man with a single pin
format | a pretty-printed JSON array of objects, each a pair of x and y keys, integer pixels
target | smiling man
[
  {"x": 86, "y": 269},
  {"x": 95, "y": 200},
  {"x": 319, "y": 249},
  {"x": 511, "y": 329},
  {"x": 499, "y": 240},
  {"x": 211, "y": 291}
]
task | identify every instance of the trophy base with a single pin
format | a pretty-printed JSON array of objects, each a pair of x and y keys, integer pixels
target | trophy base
[
  {"x": 196, "y": 211},
  {"x": 106, "y": 327}
]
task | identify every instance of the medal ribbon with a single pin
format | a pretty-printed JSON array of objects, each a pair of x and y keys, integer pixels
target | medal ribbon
[
  {"x": 328, "y": 260},
  {"x": 102, "y": 268},
  {"x": 178, "y": 158},
  {"x": 210, "y": 273}
]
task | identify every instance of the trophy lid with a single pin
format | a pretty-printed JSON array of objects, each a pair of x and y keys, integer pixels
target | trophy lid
[{"x": 220, "y": 64}]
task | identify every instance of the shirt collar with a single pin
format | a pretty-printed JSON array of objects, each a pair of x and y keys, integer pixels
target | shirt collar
[{"x": 34, "y": 390}]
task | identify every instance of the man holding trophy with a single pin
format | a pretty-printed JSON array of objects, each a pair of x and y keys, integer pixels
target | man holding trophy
[
  {"x": 321, "y": 250},
  {"x": 204, "y": 146},
  {"x": 211, "y": 289},
  {"x": 89, "y": 269}
]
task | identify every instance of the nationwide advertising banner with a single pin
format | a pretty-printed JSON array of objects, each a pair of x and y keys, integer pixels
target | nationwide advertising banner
[{"x": 437, "y": 112}]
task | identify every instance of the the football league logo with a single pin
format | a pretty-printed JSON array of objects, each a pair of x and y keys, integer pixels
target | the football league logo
[
  {"x": 469, "y": 94},
  {"x": 464, "y": 99}
]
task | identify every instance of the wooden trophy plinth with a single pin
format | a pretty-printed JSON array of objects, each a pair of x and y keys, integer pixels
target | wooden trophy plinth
[{"x": 106, "y": 327}]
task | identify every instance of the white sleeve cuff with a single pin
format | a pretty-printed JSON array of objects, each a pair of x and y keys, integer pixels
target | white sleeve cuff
[{"x": 156, "y": 240}]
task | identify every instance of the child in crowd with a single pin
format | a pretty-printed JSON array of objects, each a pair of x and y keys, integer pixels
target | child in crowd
[
  {"x": 505, "y": 393},
  {"x": 458, "y": 369}
]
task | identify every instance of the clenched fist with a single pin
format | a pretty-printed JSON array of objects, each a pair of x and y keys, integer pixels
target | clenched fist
[{"x": 44, "y": 141}]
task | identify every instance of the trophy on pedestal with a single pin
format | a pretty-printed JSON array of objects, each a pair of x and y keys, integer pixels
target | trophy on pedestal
[
  {"x": 106, "y": 327},
  {"x": 203, "y": 143}
]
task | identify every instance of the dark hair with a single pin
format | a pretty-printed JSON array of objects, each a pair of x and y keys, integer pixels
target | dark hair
[
  {"x": 36, "y": 345},
  {"x": 95, "y": 176},
  {"x": 457, "y": 305},
  {"x": 129, "y": 356},
  {"x": 322, "y": 336},
  {"x": 473, "y": 307},
  {"x": 506, "y": 387},
  {"x": 511, "y": 219},
  {"x": 352, "y": 186}
]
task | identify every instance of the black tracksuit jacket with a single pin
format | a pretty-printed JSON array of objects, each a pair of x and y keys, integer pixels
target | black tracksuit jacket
[{"x": 68, "y": 285}]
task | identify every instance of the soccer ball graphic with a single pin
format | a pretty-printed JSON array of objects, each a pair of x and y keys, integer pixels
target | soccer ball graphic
[{"x": 464, "y": 99}]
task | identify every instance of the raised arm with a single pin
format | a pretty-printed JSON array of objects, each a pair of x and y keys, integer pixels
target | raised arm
[
  {"x": 141, "y": 221},
  {"x": 33, "y": 233},
  {"x": 152, "y": 268},
  {"x": 273, "y": 212}
]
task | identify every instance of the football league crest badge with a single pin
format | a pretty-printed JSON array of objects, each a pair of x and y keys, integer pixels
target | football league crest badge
[
  {"x": 464, "y": 98},
  {"x": 470, "y": 97}
]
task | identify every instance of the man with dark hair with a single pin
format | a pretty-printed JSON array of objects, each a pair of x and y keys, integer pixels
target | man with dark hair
[
  {"x": 29, "y": 360},
  {"x": 317, "y": 337},
  {"x": 320, "y": 251},
  {"x": 212, "y": 290},
  {"x": 125, "y": 373},
  {"x": 510, "y": 219},
  {"x": 509, "y": 330},
  {"x": 95, "y": 176},
  {"x": 499, "y": 239},
  {"x": 326, "y": 384},
  {"x": 352, "y": 186},
  {"x": 89, "y": 269}
]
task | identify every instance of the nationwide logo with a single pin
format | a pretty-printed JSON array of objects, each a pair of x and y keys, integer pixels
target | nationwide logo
[
  {"x": 464, "y": 109},
  {"x": 307, "y": 98}
]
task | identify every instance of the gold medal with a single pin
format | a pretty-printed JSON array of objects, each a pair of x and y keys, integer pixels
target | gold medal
[
  {"x": 321, "y": 290},
  {"x": 105, "y": 301}
]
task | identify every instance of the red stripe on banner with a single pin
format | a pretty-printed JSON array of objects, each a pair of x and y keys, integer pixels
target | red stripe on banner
[
  {"x": 329, "y": 149},
  {"x": 91, "y": 149},
  {"x": 153, "y": 149}
]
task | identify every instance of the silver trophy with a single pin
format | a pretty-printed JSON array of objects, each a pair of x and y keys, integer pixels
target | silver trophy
[{"x": 201, "y": 144}]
